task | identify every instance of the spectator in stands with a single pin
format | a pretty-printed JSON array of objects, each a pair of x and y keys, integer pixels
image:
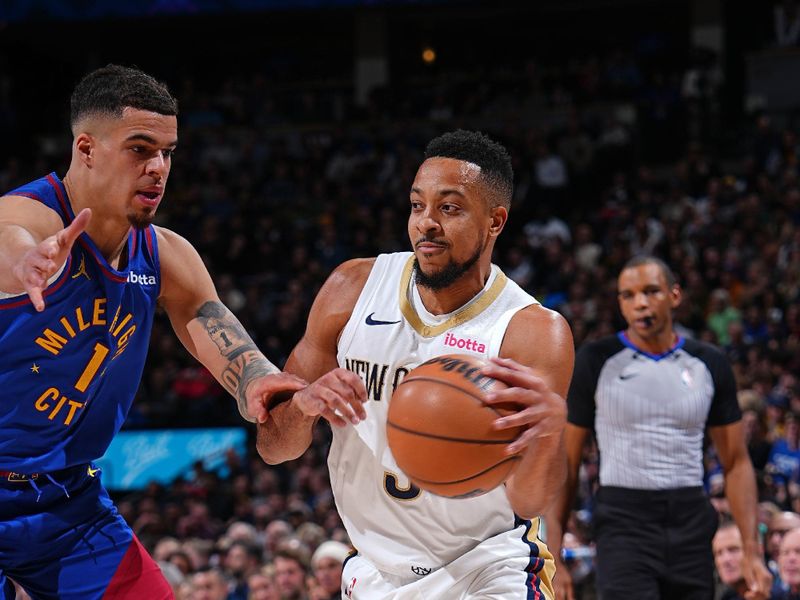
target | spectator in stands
[
  {"x": 241, "y": 560},
  {"x": 262, "y": 584},
  {"x": 326, "y": 566},
  {"x": 755, "y": 434},
  {"x": 291, "y": 569},
  {"x": 311, "y": 534},
  {"x": 728, "y": 554},
  {"x": 784, "y": 457},
  {"x": 579, "y": 557},
  {"x": 209, "y": 584},
  {"x": 181, "y": 559},
  {"x": 275, "y": 533},
  {"x": 172, "y": 574},
  {"x": 779, "y": 525},
  {"x": 788, "y": 567},
  {"x": 165, "y": 547},
  {"x": 721, "y": 315}
]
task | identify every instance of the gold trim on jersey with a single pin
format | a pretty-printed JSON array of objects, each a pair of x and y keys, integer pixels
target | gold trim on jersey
[
  {"x": 460, "y": 316},
  {"x": 548, "y": 570}
]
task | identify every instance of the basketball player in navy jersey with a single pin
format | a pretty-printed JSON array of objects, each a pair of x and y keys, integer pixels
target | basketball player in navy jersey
[
  {"x": 81, "y": 272},
  {"x": 383, "y": 316}
]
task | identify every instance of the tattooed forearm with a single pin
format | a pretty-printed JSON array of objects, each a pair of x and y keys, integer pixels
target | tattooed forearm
[
  {"x": 242, "y": 370},
  {"x": 245, "y": 361},
  {"x": 224, "y": 329}
]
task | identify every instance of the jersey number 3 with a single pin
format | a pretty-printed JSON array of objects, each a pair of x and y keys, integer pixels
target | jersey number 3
[{"x": 409, "y": 492}]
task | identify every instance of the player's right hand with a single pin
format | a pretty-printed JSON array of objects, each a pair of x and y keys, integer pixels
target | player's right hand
[
  {"x": 338, "y": 396},
  {"x": 562, "y": 582},
  {"x": 42, "y": 261}
]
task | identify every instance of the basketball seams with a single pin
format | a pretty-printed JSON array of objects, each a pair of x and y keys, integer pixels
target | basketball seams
[
  {"x": 468, "y": 392},
  {"x": 445, "y": 437},
  {"x": 471, "y": 477},
  {"x": 439, "y": 433}
]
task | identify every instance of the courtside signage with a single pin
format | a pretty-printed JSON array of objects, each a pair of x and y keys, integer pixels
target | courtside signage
[{"x": 135, "y": 458}]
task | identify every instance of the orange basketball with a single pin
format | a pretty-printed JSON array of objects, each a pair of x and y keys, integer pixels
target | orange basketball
[{"x": 440, "y": 431}]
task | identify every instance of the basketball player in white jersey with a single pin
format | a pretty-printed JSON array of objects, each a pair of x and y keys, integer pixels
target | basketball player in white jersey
[{"x": 376, "y": 319}]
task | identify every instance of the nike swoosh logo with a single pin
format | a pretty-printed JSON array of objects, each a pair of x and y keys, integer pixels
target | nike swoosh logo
[
  {"x": 91, "y": 472},
  {"x": 371, "y": 321},
  {"x": 628, "y": 376}
]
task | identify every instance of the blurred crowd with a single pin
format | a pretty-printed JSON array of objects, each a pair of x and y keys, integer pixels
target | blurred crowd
[{"x": 612, "y": 158}]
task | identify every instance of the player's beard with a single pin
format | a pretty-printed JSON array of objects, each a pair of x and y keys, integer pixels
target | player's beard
[
  {"x": 448, "y": 275},
  {"x": 140, "y": 220}
]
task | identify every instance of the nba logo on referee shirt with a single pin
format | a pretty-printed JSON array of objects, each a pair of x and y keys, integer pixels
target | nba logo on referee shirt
[{"x": 686, "y": 378}]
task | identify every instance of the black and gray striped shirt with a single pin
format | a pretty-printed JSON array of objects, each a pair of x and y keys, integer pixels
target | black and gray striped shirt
[{"x": 649, "y": 412}]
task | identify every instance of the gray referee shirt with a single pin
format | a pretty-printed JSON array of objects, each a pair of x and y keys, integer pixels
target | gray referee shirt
[{"x": 649, "y": 412}]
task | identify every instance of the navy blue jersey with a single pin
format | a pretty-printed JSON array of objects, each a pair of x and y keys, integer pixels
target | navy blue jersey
[{"x": 68, "y": 375}]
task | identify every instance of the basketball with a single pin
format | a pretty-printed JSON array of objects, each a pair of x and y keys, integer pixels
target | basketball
[{"x": 439, "y": 428}]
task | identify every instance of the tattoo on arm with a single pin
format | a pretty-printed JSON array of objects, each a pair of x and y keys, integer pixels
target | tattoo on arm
[{"x": 245, "y": 361}]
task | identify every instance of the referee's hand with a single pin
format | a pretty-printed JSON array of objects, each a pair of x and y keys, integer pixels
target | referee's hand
[
  {"x": 757, "y": 577},
  {"x": 562, "y": 582}
]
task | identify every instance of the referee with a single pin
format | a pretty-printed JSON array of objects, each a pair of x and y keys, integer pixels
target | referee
[{"x": 649, "y": 396}]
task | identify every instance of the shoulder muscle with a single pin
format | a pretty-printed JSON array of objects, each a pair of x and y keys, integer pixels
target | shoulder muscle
[
  {"x": 541, "y": 339},
  {"x": 182, "y": 270}
]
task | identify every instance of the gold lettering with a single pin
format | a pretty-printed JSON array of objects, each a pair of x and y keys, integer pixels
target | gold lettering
[
  {"x": 114, "y": 320},
  {"x": 57, "y": 408},
  {"x": 68, "y": 327},
  {"x": 99, "y": 311},
  {"x": 82, "y": 325},
  {"x": 121, "y": 325},
  {"x": 73, "y": 406},
  {"x": 123, "y": 339},
  {"x": 40, "y": 403},
  {"x": 51, "y": 341}
]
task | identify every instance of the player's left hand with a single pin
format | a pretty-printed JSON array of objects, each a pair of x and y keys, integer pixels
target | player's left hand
[
  {"x": 541, "y": 411},
  {"x": 262, "y": 390},
  {"x": 758, "y": 579}
]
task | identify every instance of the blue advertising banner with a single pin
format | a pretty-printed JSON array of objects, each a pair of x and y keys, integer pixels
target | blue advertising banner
[{"x": 136, "y": 458}]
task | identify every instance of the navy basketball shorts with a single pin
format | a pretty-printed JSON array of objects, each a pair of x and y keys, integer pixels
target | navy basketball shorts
[{"x": 62, "y": 538}]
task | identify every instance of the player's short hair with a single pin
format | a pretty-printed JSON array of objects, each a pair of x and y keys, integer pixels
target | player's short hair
[
  {"x": 110, "y": 89},
  {"x": 479, "y": 149},
  {"x": 646, "y": 259}
]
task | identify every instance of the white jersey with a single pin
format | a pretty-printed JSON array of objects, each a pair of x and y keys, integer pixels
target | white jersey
[{"x": 399, "y": 528}]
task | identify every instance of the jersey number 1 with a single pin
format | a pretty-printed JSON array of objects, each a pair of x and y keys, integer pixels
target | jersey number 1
[{"x": 100, "y": 352}]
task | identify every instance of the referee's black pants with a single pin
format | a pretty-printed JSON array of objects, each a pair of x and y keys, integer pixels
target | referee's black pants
[{"x": 654, "y": 545}]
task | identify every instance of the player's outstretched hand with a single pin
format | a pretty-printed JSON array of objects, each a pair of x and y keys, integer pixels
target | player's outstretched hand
[
  {"x": 338, "y": 396},
  {"x": 262, "y": 391},
  {"x": 42, "y": 261},
  {"x": 542, "y": 412}
]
